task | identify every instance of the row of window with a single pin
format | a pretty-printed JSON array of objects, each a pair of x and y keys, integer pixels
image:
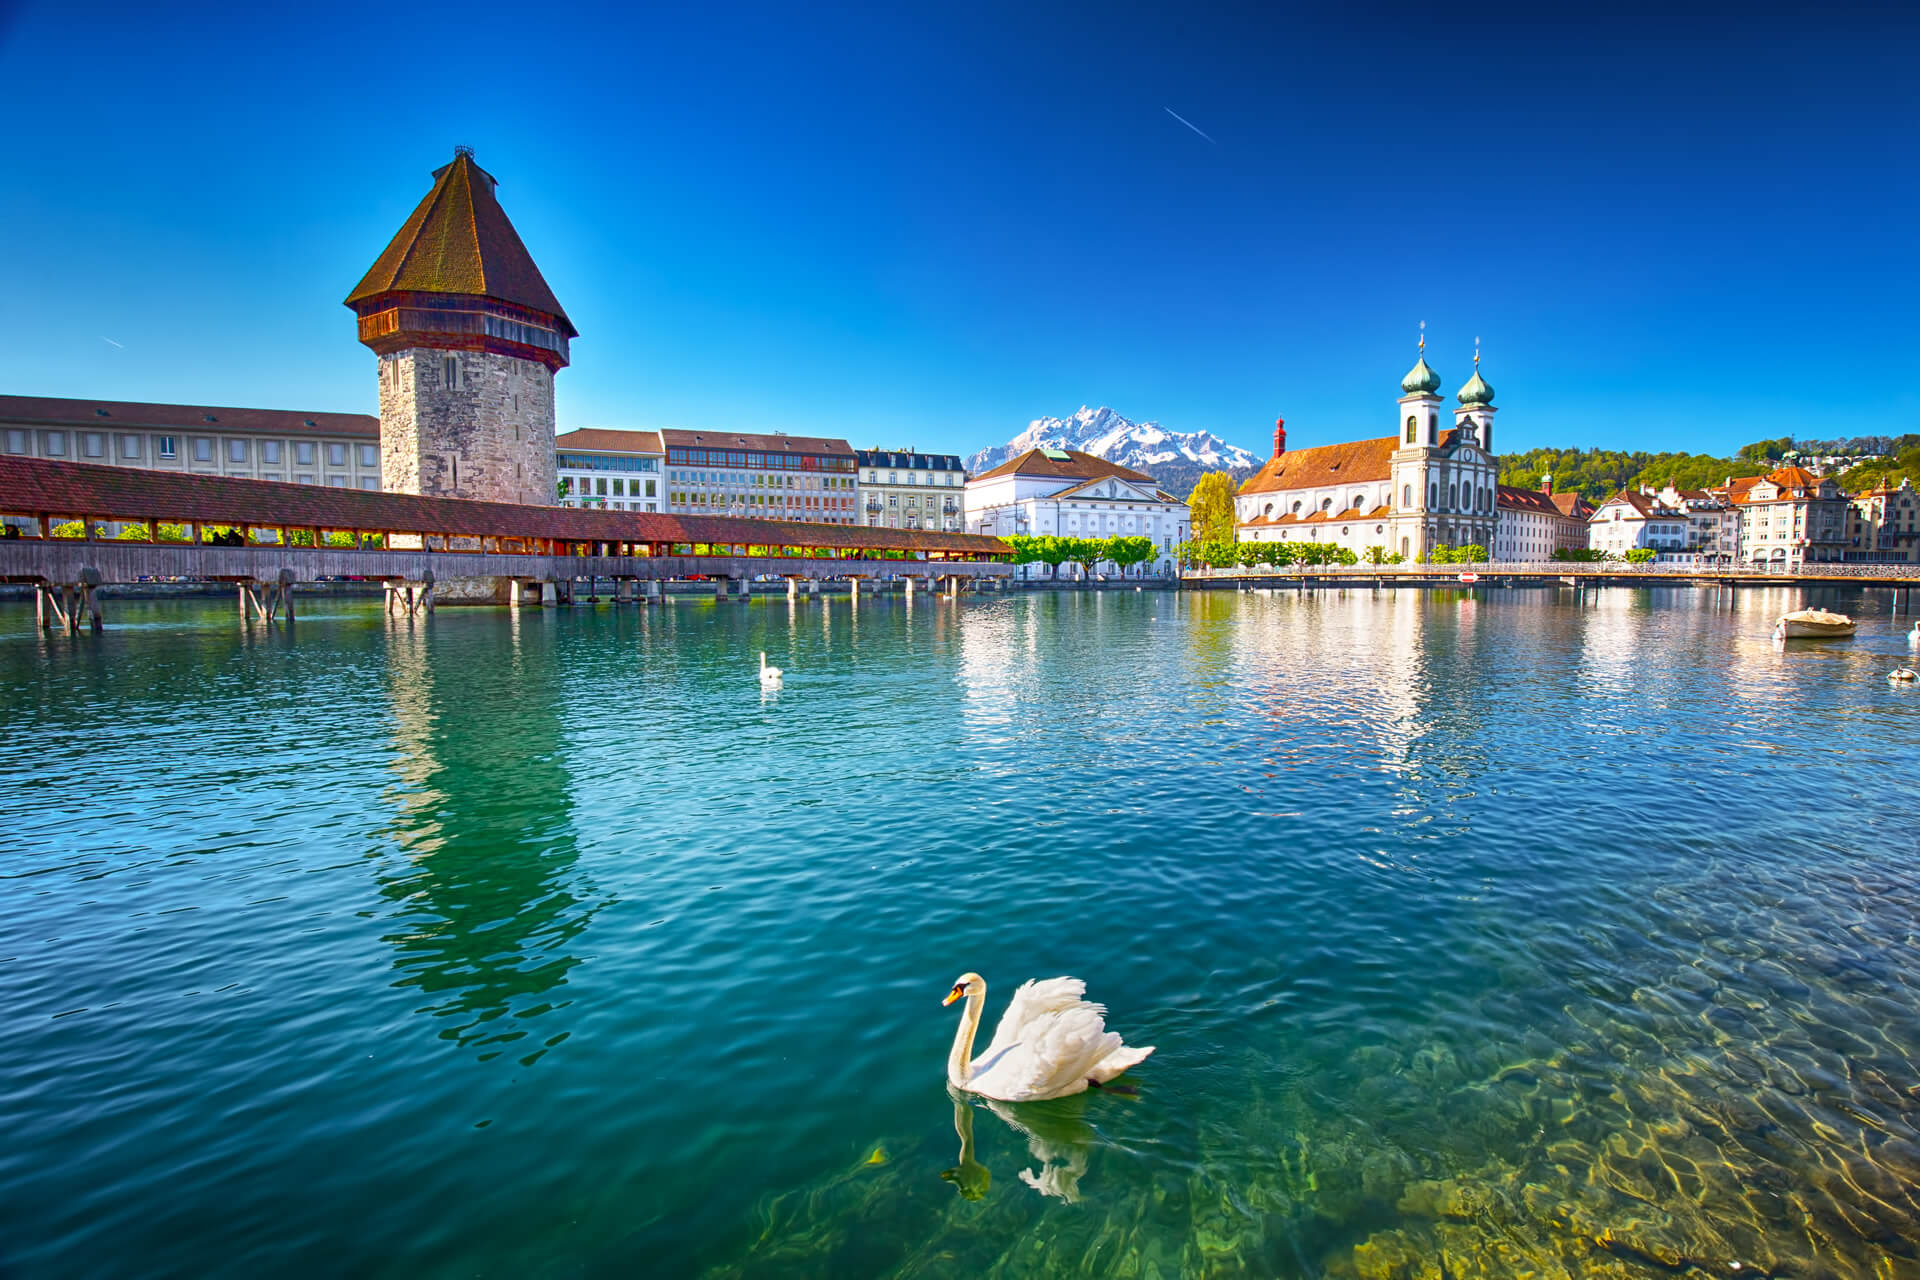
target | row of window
[
  {"x": 768, "y": 461},
  {"x": 135, "y": 448},
  {"x": 913, "y": 477},
  {"x": 581, "y": 486},
  {"x": 597, "y": 462},
  {"x": 761, "y": 480}
]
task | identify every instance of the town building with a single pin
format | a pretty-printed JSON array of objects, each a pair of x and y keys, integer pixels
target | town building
[
  {"x": 1789, "y": 517},
  {"x": 469, "y": 337},
  {"x": 340, "y": 450},
  {"x": 615, "y": 470},
  {"x": 1883, "y": 525},
  {"x": 767, "y": 477},
  {"x": 1532, "y": 524},
  {"x": 909, "y": 490},
  {"x": 1409, "y": 493},
  {"x": 1066, "y": 493},
  {"x": 1713, "y": 523},
  {"x": 1632, "y": 521}
]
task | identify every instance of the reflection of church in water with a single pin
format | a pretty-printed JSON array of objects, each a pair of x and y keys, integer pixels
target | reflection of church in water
[{"x": 487, "y": 897}]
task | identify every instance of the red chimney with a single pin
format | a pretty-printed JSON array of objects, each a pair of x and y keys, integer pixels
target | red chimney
[{"x": 1279, "y": 436}]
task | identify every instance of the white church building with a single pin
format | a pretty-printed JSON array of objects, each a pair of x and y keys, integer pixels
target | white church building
[{"x": 1422, "y": 487}]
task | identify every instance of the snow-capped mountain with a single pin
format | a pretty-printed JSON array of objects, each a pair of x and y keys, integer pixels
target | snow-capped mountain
[{"x": 1177, "y": 459}]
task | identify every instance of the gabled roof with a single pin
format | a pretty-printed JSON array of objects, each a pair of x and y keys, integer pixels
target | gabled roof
[
  {"x": 1074, "y": 466},
  {"x": 1514, "y": 498},
  {"x": 1573, "y": 504},
  {"x": 37, "y": 486},
  {"x": 775, "y": 443},
  {"x": 608, "y": 440},
  {"x": 131, "y": 415},
  {"x": 1328, "y": 465},
  {"x": 459, "y": 241},
  {"x": 1643, "y": 504},
  {"x": 1154, "y": 493}
]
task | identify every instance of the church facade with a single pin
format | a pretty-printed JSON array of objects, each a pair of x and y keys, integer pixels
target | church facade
[{"x": 1425, "y": 486}]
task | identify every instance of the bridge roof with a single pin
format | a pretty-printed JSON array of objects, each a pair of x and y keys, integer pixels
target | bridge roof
[{"x": 38, "y": 486}]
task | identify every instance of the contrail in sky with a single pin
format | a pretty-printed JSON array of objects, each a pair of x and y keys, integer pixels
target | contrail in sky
[
  {"x": 1190, "y": 124},
  {"x": 104, "y": 338}
]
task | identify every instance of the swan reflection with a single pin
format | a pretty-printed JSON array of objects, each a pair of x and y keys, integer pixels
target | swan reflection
[{"x": 1056, "y": 1133}]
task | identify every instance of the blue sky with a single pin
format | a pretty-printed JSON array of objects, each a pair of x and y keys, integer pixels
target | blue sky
[{"x": 925, "y": 225}]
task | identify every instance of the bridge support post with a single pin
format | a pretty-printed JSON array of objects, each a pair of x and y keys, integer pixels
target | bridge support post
[
  {"x": 813, "y": 587},
  {"x": 654, "y": 591},
  {"x": 42, "y": 612},
  {"x": 793, "y": 588},
  {"x": 549, "y": 594},
  {"x": 720, "y": 590},
  {"x": 909, "y": 588},
  {"x": 744, "y": 589}
]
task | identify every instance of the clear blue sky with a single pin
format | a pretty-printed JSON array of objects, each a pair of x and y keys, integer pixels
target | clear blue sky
[{"x": 927, "y": 224}]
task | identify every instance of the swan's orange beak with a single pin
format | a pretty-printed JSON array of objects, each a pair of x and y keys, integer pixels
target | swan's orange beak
[{"x": 954, "y": 994}]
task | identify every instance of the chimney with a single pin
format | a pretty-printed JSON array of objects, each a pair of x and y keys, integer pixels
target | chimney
[
  {"x": 1279, "y": 436},
  {"x": 1546, "y": 483}
]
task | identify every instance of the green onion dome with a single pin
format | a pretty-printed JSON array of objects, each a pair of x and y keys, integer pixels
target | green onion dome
[
  {"x": 1477, "y": 391},
  {"x": 1421, "y": 379}
]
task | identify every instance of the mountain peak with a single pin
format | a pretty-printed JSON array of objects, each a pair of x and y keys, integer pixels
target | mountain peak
[{"x": 1177, "y": 459}]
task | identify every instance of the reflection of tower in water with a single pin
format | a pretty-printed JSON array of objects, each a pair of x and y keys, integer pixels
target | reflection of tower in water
[{"x": 481, "y": 870}]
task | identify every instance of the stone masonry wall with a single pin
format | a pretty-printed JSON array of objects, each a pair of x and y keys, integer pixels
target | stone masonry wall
[{"x": 490, "y": 437}]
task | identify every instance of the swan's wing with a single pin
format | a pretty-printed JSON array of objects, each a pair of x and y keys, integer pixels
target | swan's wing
[
  {"x": 1034, "y": 1000},
  {"x": 1055, "y": 1055}
]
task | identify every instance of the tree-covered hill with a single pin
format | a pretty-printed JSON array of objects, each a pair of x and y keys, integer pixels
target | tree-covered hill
[{"x": 1601, "y": 473}]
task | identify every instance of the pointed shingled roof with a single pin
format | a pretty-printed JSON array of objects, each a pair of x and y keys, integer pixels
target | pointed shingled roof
[{"x": 459, "y": 240}]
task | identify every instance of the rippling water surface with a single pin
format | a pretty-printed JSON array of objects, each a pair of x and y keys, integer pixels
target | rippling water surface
[{"x": 1479, "y": 937}]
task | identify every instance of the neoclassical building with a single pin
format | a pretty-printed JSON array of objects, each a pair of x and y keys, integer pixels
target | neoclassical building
[{"x": 1424, "y": 486}]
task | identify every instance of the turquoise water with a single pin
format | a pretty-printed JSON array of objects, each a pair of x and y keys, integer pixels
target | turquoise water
[{"x": 1480, "y": 935}]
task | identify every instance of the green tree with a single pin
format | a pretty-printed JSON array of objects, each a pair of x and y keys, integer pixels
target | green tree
[
  {"x": 1053, "y": 551},
  {"x": 1640, "y": 555},
  {"x": 1086, "y": 552},
  {"x": 1211, "y": 505},
  {"x": 1129, "y": 551},
  {"x": 1376, "y": 555}
]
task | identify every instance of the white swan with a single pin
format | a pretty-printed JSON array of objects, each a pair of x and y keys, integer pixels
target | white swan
[
  {"x": 1903, "y": 675},
  {"x": 1050, "y": 1042},
  {"x": 769, "y": 676}
]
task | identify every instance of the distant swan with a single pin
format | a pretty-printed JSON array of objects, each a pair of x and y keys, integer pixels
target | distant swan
[
  {"x": 769, "y": 676},
  {"x": 1050, "y": 1042},
  {"x": 1903, "y": 675}
]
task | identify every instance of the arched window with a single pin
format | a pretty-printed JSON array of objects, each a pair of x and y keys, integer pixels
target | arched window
[
  {"x": 1453, "y": 497},
  {"x": 1433, "y": 494},
  {"x": 1359, "y": 502},
  {"x": 1296, "y": 507},
  {"x": 1269, "y": 510},
  {"x": 1412, "y": 425},
  {"x": 1406, "y": 496},
  {"x": 1466, "y": 495},
  {"x": 1326, "y": 504},
  {"x": 1406, "y": 547}
]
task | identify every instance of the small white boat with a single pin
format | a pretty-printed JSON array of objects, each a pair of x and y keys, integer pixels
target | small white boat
[
  {"x": 1903, "y": 675},
  {"x": 1813, "y": 624}
]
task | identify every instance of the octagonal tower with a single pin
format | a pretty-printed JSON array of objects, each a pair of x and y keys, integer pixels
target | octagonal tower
[{"x": 469, "y": 337}]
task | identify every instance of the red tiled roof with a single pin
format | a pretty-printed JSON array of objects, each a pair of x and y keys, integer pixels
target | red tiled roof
[
  {"x": 755, "y": 443},
  {"x": 1644, "y": 504},
  {"x": 36, "y": 486},
  {"x": 1075, "y": 466},
  {"x": 458, "y": 241},
  {"x": 1573, "y": 504},
  {"x": 1514, "y": 498},
  {"x": 607, "y": 440},
  {"x": 1325, "y": 466},
  {"x": 133, "y": 415}
]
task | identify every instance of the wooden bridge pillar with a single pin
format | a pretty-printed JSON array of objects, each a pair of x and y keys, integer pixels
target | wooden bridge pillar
[
  {"x": 909, "y": 587},
  {"x": 549, "y": 594},
  {"x": 793, "y": 588}
]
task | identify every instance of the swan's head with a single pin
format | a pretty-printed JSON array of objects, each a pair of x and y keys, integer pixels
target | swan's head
[{"x": 965, "y": 985}]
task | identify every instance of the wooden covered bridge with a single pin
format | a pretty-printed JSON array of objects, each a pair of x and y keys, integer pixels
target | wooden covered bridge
[{"x": 71, "y": 527}]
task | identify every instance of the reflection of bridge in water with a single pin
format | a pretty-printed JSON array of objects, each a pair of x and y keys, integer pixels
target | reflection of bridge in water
[{"x": 275, "y": 535}]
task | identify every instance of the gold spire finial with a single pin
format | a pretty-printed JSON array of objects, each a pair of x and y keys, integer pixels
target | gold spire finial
[
  {"x": 1423, "y": 339},
  {"x": 1476, "y": 354}
]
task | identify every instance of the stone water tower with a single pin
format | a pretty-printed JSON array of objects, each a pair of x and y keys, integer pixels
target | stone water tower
[{"x": 469, "y": 337}]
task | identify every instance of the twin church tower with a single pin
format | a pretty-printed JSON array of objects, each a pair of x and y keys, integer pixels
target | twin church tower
[{"x": 469, "y": 337}]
